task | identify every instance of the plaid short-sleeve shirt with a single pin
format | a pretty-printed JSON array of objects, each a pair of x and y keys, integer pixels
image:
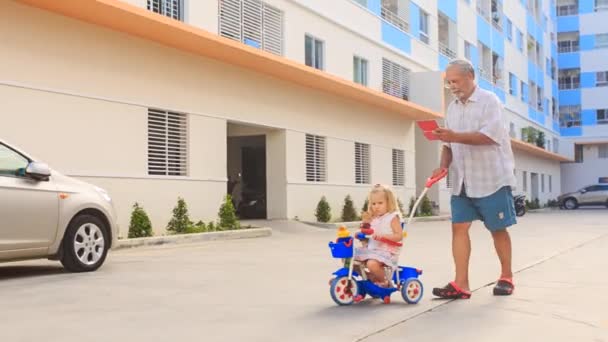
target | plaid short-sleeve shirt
[{"x": 483, "y": 169}]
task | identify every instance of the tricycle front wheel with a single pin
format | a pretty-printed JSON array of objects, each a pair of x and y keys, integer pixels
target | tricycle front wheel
[
  {"x": 343, "y": 291},
  {"x": 412, "y": 290}
]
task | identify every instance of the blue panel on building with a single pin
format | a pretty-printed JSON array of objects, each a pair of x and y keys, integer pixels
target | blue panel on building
[
  {"x": 587, "y": 42},
  {"x": 485, "y": 84},
  {"x": 513, "y": 84},
  {"x": 448, "y": 7},
  {"x": 589, "y": 117},
  {"x": 532, "y": 71},
  {"x": 555, "y": 88},
  {"x": 414, "y": 20},
  {"x": 553, "y": 9},
  {"x": 498, "y": 42},
  {"x": 588, "y": 79},
  {"x": 475, "y": 56},
  {"x": 253, "y": 43},
  {"x": 569, "y": 60},
  {"x": 586, "y": 6},
  {"x": 541, "y": 118},
  {"x": 571, "y": 131},
  {"x": 568, "y": 23},
  {"x": 501, "y": 94},
  {"x": 484, "y": 31},
  {"x": 570, "y": 97},
  {"x": 395, "y": 37},
  {"x": 540, "y": 78},
  {"x": 525, "y": 94},
  {"x": 443, "y": 62},
  {"x": 374, "y": 6},
  {"x": 532, "y": 114},
  {"x": 532, "y": 27},
  {"x": 556, "y": 126}
]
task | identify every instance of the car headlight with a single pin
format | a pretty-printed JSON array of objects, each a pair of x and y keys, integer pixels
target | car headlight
[{"x": 104, "y": 194}]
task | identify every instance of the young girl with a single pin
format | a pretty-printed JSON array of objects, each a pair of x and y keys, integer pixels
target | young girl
[{"x": 383, "y": 216}]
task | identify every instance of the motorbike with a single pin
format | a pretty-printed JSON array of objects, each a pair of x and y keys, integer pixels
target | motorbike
[{"x": 520, "y": 205}]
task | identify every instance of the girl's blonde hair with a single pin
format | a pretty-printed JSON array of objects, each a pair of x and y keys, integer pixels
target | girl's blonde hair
[{"x": 391, "y": 199}]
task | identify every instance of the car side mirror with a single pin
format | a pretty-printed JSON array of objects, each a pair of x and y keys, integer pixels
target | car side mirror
[
  {"x": 38, "y": 171},
  {"x": 583, "y": 191}
]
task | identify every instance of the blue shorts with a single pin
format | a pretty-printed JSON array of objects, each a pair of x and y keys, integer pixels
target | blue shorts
[{"x": 496, "y": 211}]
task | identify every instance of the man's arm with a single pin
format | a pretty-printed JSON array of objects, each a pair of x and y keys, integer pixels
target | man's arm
[
  {"x": 473, "y": 138},
  {"x": 446, "y": 157}
]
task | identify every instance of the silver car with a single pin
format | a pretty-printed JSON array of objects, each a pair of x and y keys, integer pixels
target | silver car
[
  {"x": 590, "y": 195},
  {"x": 44, "y": 214}
]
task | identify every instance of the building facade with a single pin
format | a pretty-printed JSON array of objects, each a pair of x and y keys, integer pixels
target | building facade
[
  {"x": 582, "y": 34},
  {"x": 296, "y": 99}
]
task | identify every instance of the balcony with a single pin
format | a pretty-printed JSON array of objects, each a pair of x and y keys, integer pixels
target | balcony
[
  {"x": 568, "y": 46},
  {"x": 395, "y": 19},
  {"x": 565, "y": 83},
  {"x": 446, "y": 51},
  {"x": 566, "y": 10}
]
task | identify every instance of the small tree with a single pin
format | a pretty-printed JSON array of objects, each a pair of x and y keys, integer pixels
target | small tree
[
  {"x": 227, "y": 214},
  {"x": 180, "y": 222},
  {"x": 426, "y": 208},
  {"x": 400, "y": 206},
  {"x": 323, "y": 212},
  {"x": 211, "y": 227},
  {"x": 365, "y": 205},
  {"x": 140, "y": 225},
  {"x": 349, "y": 213},
  {"x": 540, "y": 139},
  {"x": 411, "y": 206}
]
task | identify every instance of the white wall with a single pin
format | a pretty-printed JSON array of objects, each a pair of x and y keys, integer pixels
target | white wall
[
  {"x": 592, "y": 23},
  {"x": 531, "y": 164},
  {"x": 578, "y": 175},
  {"x": 594, "y": 60},
  {"x": 595, "y": 98}
]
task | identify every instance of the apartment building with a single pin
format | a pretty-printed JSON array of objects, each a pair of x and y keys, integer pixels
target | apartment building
[
  {"x": 582, "y": 34},
  {"x": 155, "y": 99}
]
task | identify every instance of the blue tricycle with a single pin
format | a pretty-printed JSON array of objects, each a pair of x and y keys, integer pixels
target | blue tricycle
[{"x": 351, "y": 285}]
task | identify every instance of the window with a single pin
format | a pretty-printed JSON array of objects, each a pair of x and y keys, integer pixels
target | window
[
  {"x": 11, "y": 162},
  {"x": 555, "y": 145},
  {"x": 601, "y": 79},
  {"x": 467, "y": 50},
  {"x": 360, "y": 70},
  {"x": 602, "y": 151},
  {"x": 167, "y": 143},
  {"x": 252, "y": 22},
  {"x": 362, "y": 163},
  {"x": 578, "y": 153},
  {"x": 567, "y": 46},
  {"x": 524, "y": 91},
  {"x": 512, "y": 130},
  {"x": 497, "y": 14},
  {"x": 424, "y": 27},
  {"x": 570, "y": 116},
  {"x": 601, "y": 5},
  {"x": 602, "y": 116},
  {"x": 567, "y": 7},
  {"x": 520, "y": 40},
  {"x": 509, "y": 30},
  {"x": 569, "y": 79},
  {"x": 601, "y": 40},
  {"x": 315, "y": 158},
  {"x": 525, "y": 180},
  {"x": 550, "y": 183},
  {"x": 398, "y": 167},
  {"x": 314, "y": 52},
  {"x": 446, "y": 36},
  {"x": 396, "y": 12},
  {"x": 542, "y": 183},
  {"x": 512, "y": 84},
  {"x": 497, "y": 70},
  {"x": 362, "y": 2},
  {"x": 170, "y": 8},
  {"x": 395, "y": 79}
]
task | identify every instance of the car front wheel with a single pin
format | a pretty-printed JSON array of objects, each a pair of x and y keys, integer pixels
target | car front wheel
[
  {"x": 571, "y": 204},
  {"x": 84, "y": 244}
]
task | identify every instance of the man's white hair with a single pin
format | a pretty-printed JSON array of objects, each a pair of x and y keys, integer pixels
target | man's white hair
[{"x": 464, "y": 66}]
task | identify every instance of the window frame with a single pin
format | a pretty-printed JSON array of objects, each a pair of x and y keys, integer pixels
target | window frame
[{"x": 314, "y": 56}]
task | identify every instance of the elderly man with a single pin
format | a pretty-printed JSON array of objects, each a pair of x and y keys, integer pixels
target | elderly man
[{"x": 478, "y": 152}]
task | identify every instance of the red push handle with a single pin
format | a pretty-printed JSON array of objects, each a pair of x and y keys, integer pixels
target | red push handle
[
  {"x": 432, "y": 180},
  {"x": 370, "y": 231}
]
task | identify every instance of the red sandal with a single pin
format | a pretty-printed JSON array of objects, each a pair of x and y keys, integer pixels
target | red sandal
[
  {"x": 451, "y": 291},
  {"x": 504, "y": 287}
]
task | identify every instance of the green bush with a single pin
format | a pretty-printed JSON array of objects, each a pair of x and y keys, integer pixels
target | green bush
[
  {"x": 349, "y": 213},
  {"x": 323, "y": 212},
  {"x": 227, "y": 215},
  {"x": 540, "y": 139},
  {"x": 531, "y": 205},
  {"x": 400, "y": 207},
  {"x": 411, "y": 206},
  {"x": 426, "y": 208},
  {"x": 365, "y": 205},
  {"x": 552, "y": 203},
  {"x": 140, "y": 225},
  {"x": 180, "y": 222}
]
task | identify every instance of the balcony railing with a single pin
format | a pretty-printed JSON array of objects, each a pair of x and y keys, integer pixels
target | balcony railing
[
  {"x": 569, "y": 83},
  {"x": 446, "y": 51},
  {"x": 567, "y": 46},
  {"x": 394, "y": 19},
  {"x": 567, "y": 10},
  {"x": 485, "y": 73}
]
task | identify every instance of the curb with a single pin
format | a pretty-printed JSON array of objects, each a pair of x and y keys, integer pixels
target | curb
[
  {"x": 355, "y": 224},
  {"x": 247, "y": 233}
]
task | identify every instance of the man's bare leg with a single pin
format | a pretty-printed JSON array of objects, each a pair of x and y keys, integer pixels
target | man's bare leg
[
  {"x": 502, "y": 243},
  {"x": 461, "y": 251}
]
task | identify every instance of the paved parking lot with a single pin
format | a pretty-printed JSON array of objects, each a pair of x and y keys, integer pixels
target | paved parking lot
[{"x": 275, "y": 289}]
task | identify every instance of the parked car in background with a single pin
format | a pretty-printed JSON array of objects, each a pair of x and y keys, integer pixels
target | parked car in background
[
  {"x": 44, "y": 214},
  {"x": 596, "y": 194}
]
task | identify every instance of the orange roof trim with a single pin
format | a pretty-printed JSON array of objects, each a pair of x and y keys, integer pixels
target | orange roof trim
[
  {"x": 136, "y": 21},
  {"x": 537, "y": 151}
]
